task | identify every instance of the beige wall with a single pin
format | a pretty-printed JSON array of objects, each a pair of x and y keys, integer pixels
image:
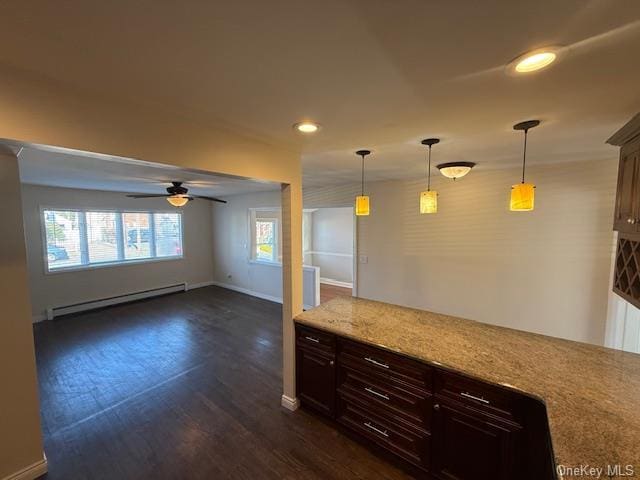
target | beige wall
[
  {"x": 232, "y": 242},
  {"x": 65, "y": 288},
  {"x": 38, "y": 110},
  {"x": 20, "y": 443},
  {"x": 332, "y": 243},
  {"x": 545, "y": 271}
]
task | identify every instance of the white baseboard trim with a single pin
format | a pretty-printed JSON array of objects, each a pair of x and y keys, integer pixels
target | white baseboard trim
[
  {"x": 336, "y": 283},
  {"x": 30, "y": 472},
  {"x": 290, "y": 403},
  {"x": 253, "y": 293},
  {"x": 193, "y": 286}
]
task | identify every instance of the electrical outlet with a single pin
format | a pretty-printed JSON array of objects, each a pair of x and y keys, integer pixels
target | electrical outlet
[{"x": 363, "y": 259}]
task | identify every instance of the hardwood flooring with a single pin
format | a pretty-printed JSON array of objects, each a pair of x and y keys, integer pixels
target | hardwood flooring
[
  {"x": 185, "y": 386},
  {"x": 328, "y": 292}
]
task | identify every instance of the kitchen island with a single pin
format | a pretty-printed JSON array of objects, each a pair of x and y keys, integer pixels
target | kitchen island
[{"x": 591, "y": 394}]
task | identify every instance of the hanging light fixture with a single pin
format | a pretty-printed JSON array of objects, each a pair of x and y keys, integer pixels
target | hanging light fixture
[
  {"x": 429, "y": 198},
  {"x": 455, "y": 170},
  {"x": 362, "y": 200},
  {"x": 523, "y": 194}
]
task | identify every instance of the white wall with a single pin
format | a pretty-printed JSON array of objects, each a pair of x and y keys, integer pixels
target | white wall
[
  {"x": 331, "y": 246},
  {"x": 63, "y": 288},
  {"x": 545, "y": 271},
  {"x": 232, "y": 243}
]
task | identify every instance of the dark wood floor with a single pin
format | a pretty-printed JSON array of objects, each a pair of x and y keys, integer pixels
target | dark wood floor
[
  {"x": 329, "y": 292},
  {"x": 185, "y": 386}
]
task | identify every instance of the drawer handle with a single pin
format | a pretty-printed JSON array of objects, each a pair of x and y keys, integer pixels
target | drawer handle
[
  {"x": 472, "y": 397},
  {"x": 375, "y": 362},
  {"x": 312, "y": 339},
  {"x": 377, "y": 394},
  {"x": 371, "y": 427}
]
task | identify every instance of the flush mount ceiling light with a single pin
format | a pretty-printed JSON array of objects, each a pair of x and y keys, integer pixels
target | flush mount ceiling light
[
  {"x": 306, "y": 127},
  {"x": 523, "y": 194},
  {"x": 534, "y": 61},
  {"x": 429, "y": 198},
  {"x": 362, "y": 200},
  {"x": 455, "y": 170}
]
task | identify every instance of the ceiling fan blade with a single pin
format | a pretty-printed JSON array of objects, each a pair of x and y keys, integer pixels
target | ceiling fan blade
[
  {"x": 211, "y": 199},
  {"x": 151, "y": 195}
]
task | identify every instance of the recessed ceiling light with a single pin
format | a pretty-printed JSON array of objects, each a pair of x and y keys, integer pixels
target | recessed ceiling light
[
  {"x": 533, "y": 61},
  {"x": 306, "y": 127}
]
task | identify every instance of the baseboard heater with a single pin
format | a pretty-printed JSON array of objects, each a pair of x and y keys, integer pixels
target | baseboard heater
[{"x": 53, "y": 312}]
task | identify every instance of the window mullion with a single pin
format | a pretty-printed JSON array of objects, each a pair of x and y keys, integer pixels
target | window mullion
[
  {"x": 120, "y": 236},
  {"x": 84, "y": 240},
  {"x": 152, "y": 235}
]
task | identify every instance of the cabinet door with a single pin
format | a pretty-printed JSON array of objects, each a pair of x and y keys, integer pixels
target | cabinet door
[
  {"x": 315, "y": 379},
  {"x": 627, "y": 195},
  {"x": 472, "y": 446}
]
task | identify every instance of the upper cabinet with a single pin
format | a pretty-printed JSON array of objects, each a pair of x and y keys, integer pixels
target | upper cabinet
[{"x": 627, "y": 207}]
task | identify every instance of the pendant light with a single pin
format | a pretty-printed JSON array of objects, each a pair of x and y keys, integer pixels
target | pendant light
[
  {"x": 522, "y": 194},
  {"x": 362, "y": 200},
  {"x": 429, "y": 198}
]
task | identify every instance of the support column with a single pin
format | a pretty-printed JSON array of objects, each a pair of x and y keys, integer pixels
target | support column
[
  {"x": 20, "y": 434},
  {"x": 291, "y": 287}
]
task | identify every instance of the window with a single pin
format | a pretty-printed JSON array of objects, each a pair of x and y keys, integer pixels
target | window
[
  {"x": 168, "y": 234},
  {"x": 79, "y": 238},
  {"x": 137, "y": 233},
  {"x": 266, "y": 239}
]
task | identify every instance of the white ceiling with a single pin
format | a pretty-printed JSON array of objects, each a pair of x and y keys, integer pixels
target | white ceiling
[
  {"x": 64, "y": 169},
  {"x": 376, "y": 74}
]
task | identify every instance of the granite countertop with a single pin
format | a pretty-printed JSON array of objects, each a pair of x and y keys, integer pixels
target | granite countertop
[{"x": 592, "y": 394}]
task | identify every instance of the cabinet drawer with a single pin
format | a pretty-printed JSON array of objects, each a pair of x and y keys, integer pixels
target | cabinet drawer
[
  {"x": 393, "y": 437},
  {"x": 402, "y": 403},
  {"x": 394, "y": 367},
  {"x": 481, "y": 396},
  {"x": 311, "y": 337}
]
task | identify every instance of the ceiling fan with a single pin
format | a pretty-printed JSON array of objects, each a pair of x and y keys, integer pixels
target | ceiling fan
[{"x": 177, "y": 195}]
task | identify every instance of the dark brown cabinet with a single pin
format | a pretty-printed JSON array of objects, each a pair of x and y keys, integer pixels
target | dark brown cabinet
[
  {"x": 471, "y": 445},
  {"x": 315, "y": 370},
  {"x": 443, "y": 424},
  {"x": 626, "y": 220},
  {"x": 627, "y": 211}
]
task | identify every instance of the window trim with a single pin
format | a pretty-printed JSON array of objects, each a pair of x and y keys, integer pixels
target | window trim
[{"x": 118, "y": 263}]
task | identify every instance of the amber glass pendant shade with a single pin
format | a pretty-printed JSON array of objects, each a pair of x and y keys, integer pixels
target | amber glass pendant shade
[
  {"x": 429, "y": 202},
  {"x": 362, "y": 205},
  {"x": 523, "y": 194},
  {"x": 522, "y": 197}
]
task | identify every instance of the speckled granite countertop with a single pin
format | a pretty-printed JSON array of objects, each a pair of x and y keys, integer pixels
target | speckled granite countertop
[{"x": 592, "y": 394}]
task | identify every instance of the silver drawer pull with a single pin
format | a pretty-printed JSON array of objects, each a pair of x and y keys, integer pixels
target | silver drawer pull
[
  {"x": 312, "y": 339},
  {"x": 377, "y": 394},
  {"x": 381, "y": 432},
  {"x": 472, "y": 397},
  {"x": 375, "y": 362}
]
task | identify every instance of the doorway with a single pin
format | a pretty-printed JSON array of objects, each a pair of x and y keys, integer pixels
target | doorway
[{"x": 328, "y": 244}]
